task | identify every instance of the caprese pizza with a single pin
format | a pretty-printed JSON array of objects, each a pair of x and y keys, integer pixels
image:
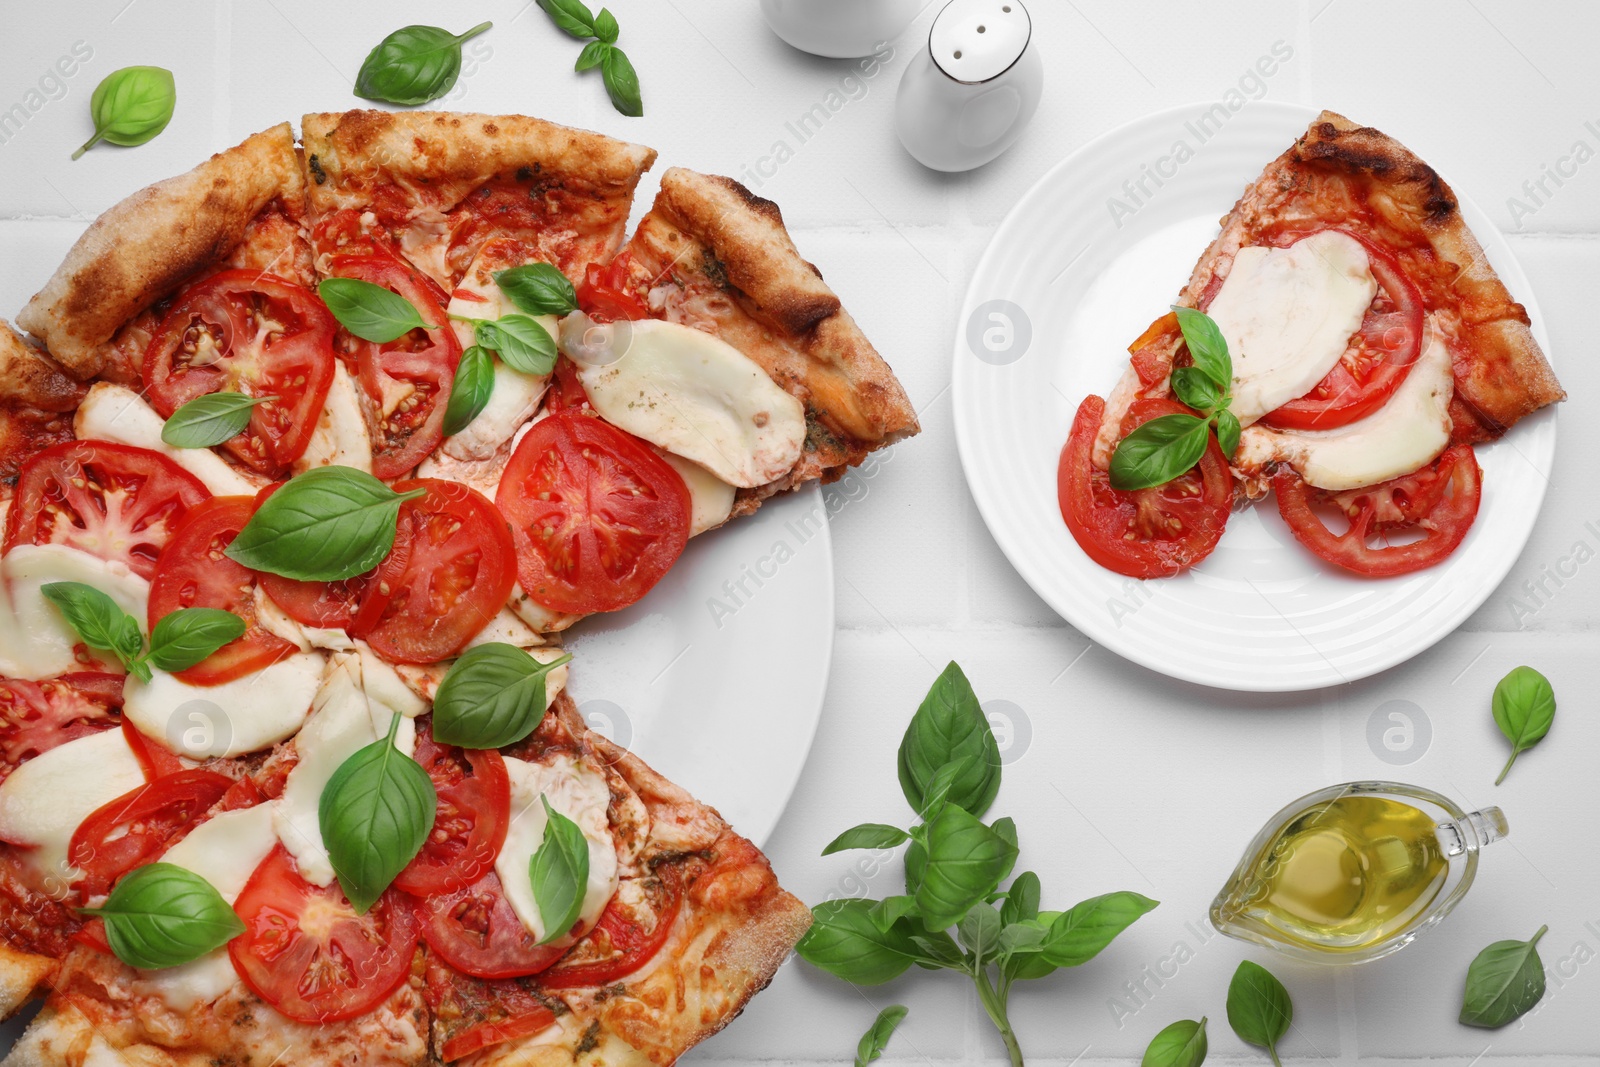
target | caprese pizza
[
  {"x": 1342, "y": 343},
  {"x": 319, "y": 449}
]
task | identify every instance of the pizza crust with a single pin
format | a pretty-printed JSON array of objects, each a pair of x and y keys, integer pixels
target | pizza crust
[
  {"x": 31, "y": 378},
  {"x": 146, "y": 246},
  {"x": 23, "y": 976}
]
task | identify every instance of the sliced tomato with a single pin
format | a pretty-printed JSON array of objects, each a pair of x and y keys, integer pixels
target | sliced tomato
[
  {"x": 1380, "y": 355},
  {"x": 624, "y": 939},
  {"x": 306, "y": 952},
  {"x": 597, "y": 516},
  {"x": 607, "y": 294},
  {"x": 37, "y": 716},
  {"x": 475, "y": 930},
  {"x": 469, "y": 826},
  {"x": 460, "y": 571},
  {"x": 1427, "y": 514},
  {"x": 116, "y": 502},
  {"x": 194, "y": 573},
  {"x": 472, "y": 1014},
  {"x": 245, "y": 331},
  {"x": 137, "y": 827},
  {"x": 1143, "y": 533},
  {"x": 156, "y": 759},
  {"x": 566, "y": 392},
  {"x": 408, "y": 380}
]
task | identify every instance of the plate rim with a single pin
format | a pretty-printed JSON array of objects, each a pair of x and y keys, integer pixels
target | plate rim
[{"x": 961, "y": 383}]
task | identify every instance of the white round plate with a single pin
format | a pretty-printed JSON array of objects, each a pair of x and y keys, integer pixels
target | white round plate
[
  {"x": 716, "y": 678},
  {"x": 1091, "y": 254}
]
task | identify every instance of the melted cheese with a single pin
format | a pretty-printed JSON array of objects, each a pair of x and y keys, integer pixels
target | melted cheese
[
  {"x": 341, "y": 437},
  {"x": 536, "y": 615},
  {"x": 515, "y": 395},
  {"x": 35, "y": 640},
  {"x": 507, "y": 629},
  {"x": 582, "y": 794},
  {"x": 43, "y": 801},
  {"x": 710, "y": 498},
  {"x": 698, "y": 397},
  {"x": 117, "y": 414},
  {"x": 1409, "y": 430},
  {"x": 247, "y": 714},
  {"x": 1288, "y": 315}
]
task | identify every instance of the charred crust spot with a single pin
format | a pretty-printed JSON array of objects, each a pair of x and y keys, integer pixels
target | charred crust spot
[
  {"x": 757, "y": 204},
  {"x": 317, "y": 173},
  {"x": 800, "y": 314},
  {"x": 524, "y": 174},
  {"x": 490, "y": 129}
]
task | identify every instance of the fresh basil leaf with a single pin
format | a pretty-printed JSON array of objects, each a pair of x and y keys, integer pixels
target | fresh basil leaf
[
  {"x": 560, "y": 874},
  {"x": 876, "y": 1039},
  {"x": 370, "y": 311},
  {"x": 572, "y": 16},
  {"x": 470, "y": 392},
  {"x": 131, "y": 106},
  {"x": 375, "y": 814},
  {"x": 1078, "y": 934},
  {"x": 979, "y": 930},
  {"x": 100, "y": 622},
  {"x": 520, "y": 341},
  {"x": 325, "y": 525},
  {"x": 605, "y": 26},
  {"x": 890, "y": 910},
  {"x": 538, "y": 288},
  {"x": 1259, "y": 1008},
  {"x": 413, "y": 65},
  {"x": 622, "y": 82},
  {"x": 1504, "y": 982},
  {"x": 1032, "y": 963},
  {"x": 184, "y": 637},
  {"x": 1207, "y": 347},
  {"x": 948, "y": 726},
  {"x": 1183, "y": 1044},
  {"x": 493, "y": 696},
  {"x": 210, "y": 419},
  {"x": 943, "y": 781},
  {"x": 162, "y": 915},
  {"x": 1194, "y": 387},
  {"x": 1228, "y": 432},
  {"x": 936, "y": 949},
  {"x": 1022, "y": 899},
  {"x": 1524, "y": 709},
  {"x": 916, "y": 861},
  {"x": 844, "y": 941},
  {"x": 1024, "y": 937},
  {"x": 867, "y": 835},
  {"x": 966, "y": 860},
  {"x": 1159, "y": 451},
  {"x": 592, "y": 54}
]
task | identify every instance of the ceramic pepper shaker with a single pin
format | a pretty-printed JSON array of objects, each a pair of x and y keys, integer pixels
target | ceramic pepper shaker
[
  {"x": 965, "y": 99},
  {"x": 839, "y": 29}
]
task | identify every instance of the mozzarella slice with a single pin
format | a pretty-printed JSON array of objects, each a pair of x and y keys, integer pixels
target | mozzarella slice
[
  {"x": 388, "y": 696},
  {"x": 542, "y": 619},
  {"x": 35, "y": 640},
  {"x": 43, "y": 801},
  {"x": 1288, "y": 315},
  {"x": 247, "y": 714},
  {"x": 507, "y": 629},
  {"x": 698, "y": 397},
  {"x": 1411, "y": 428},
  {"x": 117, "y": 414},
  {"x": 341, "y": 437},
  {"x": 710, "y": 498},
  {"x": 582, "y": 794}
]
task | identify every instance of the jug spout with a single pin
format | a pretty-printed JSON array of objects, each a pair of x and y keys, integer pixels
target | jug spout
[{"x": 1472, "y": 831}]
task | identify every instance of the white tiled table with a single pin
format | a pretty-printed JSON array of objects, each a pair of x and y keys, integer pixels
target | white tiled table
[{"x": 1130, "y": 780}]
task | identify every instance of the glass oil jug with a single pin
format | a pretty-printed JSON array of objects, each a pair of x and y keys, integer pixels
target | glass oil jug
[{"x": 1354, "y": 872}]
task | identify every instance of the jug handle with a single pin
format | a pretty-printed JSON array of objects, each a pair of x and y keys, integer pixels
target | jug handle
[{"x": 1472, "y": 831}]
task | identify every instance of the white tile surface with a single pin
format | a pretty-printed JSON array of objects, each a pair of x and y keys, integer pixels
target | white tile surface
[{"x": 1129, "y": 780}]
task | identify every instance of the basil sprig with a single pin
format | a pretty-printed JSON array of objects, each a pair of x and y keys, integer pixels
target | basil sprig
[
  {"x": 1182, "y": 1044},
  {"x": 538, "y": 289},
  {"x": 559, "y": 871},
  {"x": 370, "y": 311},
  {"x": 325, "y": 525},
  {"x": 522, "y": 343},
  {"x": 949, "y": 770},
  {"x": 131, "y": 106},
  {"x": 1259, "y": 1008},
  {"x": 1504, "y": 982},
  {"x": 621, "y": 80},
  {"x": 1169, "y": 446},
  {"x": 413, "y": 65},
  {"x": 163, "y": 915},
  {"x": 180, "y": 640},
  {"x": 1524, "y": 709},
  {"x": 210, "y": 419},
  {"x": 375, "y": 814},
  {"x": 493, "y": 696},
  {"x": 876, "y": 1039},
  {"x": 470, "y": 393}
]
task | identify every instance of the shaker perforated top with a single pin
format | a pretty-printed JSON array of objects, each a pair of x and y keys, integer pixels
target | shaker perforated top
[{"x": 976, "y": 40}]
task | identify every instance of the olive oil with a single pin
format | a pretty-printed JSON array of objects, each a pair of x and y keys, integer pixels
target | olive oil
[{"x": 1343, "y": 874}]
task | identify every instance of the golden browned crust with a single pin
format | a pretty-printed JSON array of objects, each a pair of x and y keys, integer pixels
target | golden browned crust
[
  {"x": 145, "y": 247},
  {"x": 28, "y": 376},
  {"x": 730, "y": 263},
  {"x": 22, "y": 977}
]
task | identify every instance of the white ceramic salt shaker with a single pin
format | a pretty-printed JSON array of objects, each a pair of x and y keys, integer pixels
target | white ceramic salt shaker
[
  {"x": 966, "y": 98},
  {"x": 839, "y": 29}
]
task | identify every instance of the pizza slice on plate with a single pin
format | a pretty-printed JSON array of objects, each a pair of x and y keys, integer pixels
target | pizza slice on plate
[{"x": 1371, "y": 345}]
